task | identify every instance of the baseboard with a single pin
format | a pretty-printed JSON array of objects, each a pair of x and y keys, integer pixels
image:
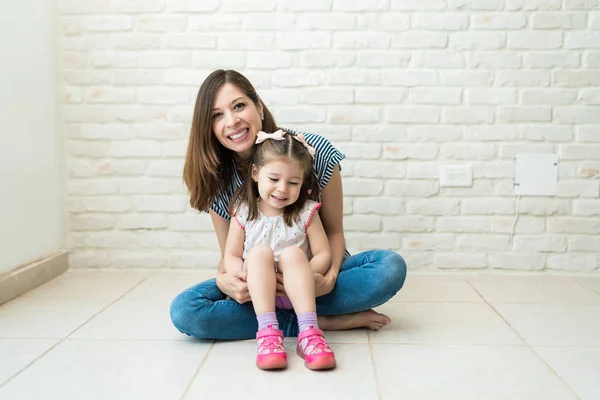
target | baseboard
[{"x": 29, "y": 276}]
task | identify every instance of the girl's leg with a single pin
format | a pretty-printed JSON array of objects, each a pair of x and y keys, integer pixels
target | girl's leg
[
  {"x": 262, "y": 282},
  {"x": 298, "y": 280}
]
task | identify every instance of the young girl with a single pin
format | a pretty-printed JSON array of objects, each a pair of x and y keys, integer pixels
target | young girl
[{"x": 277, "y": 229}]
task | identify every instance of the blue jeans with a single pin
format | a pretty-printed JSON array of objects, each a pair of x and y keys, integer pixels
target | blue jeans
[{"x": 365, "y": 280}]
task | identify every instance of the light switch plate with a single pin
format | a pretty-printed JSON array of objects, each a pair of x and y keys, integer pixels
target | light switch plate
[{"x": 536, "y": 174}]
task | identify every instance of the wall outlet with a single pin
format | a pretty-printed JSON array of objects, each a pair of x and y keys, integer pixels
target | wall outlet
[{"x": 456, "y": 175}]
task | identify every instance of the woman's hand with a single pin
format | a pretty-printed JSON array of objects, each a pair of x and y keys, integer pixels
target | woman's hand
[
  {"x": 280, "y": 289},
  {"x": 234, "y": 285},
  {"x": 324, "y": 284}
]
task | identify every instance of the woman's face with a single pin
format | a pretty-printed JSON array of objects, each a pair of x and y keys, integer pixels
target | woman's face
[{"x": 236, "y": 120}]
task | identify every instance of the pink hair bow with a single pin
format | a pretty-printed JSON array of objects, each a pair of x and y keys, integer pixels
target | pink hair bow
[
  {"x": 262, "y": 136},
  {"x": 311, "y": 150}
]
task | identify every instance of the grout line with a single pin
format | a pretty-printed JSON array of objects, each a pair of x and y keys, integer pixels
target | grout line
[
  {"x": 526, "y": 343},
  {"x": 193, "y": 378},
  {"x": 593, "y": 290},
  {"x": 373, "y": 364},
  {"x": 72, "y": 332}
]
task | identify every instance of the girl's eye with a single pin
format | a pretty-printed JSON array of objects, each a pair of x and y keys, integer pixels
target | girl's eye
[
  {"x": 273, "y": 179},
  {"x": 294, "y": 183}
]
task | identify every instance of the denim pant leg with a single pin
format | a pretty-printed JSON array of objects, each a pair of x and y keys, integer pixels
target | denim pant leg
[
  {"x": 204, "y": 312},
  {"x": 366, "y": 280}
]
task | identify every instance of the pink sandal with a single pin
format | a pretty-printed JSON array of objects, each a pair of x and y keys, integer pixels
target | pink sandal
[
  {"x": 314, "y": 350},
  {"x": 270, "y": 353}
]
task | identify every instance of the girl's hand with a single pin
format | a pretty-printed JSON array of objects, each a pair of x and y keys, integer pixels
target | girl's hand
[
  {"x": 234, "y": 285},
  {"x": 280, "y": 288}
]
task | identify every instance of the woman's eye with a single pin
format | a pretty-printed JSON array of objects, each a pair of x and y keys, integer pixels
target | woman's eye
[
  {"x": 216, "y": 115},
  {"x": 239, "y": 105}
]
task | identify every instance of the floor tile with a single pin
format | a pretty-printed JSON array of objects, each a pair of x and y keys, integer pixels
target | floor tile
[
  {"x": 16, "y": 354},
  {"x": 349, "y": 336},
  {"x": 169, "y": 284},
  {"x": 103, "y": 369},
  {"x": 133, "y": 319},
  {"x": 37, "y": 317},
  {"x": 350, "y": 380},
  {"x": 436, "y": 288},
  {"x": 465, "y": 372},
  {"x": 554, "y": 324},
  {"x": 578, "y": 366},
  {"x": 89, "y": 285},
  {"x": 533, "y": 289},
  {"x": 592, "y": 283},
  {"x": 450, "y": 323}
]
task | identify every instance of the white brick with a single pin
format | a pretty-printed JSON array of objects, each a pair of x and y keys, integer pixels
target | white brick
[
  {"x": 195, "y": 259},
  {"x": 160, "y": 203},
  {"x": 204, "y": 240},
  {"x": 584, "y": 243},
  {"x": 463, "y": 224},
  {"x": 362, "y": 223},
  {"x": 465, "y": 151},
  {"x": 498, "y": 21},
  {"x": 522, "y": 78},
  {"x": 435, "y": 95},
  {"x": 428, "y": 242},
  {"x": 359, "y": 5},
  {"x": 364, "y": 241},
  {"x": 582, "y": 188},
  {"x": 73, "y": 59},
  {"x": 511, "y": 150},
  {"x": 539, "y": 207},
  {"x": 348, "y": 206},
  {"x": 468, "y": 260},
  {"x": 89, "y": 259},
  {"x": 409, "y": 224},
  {"x": 161, "y": 24},
  {"x": 362, "y": 187},
  {"x": 163, "y": 96},
  {"x": 142, "y": 221},
  {"x": 481, "y": 187},
  {"x": 525, "y": 225},
  {"x": 386, "y": 22},
  {"x": 175, "y": 148},
  {"x": 589, "y": 133},
  {"x": 69, "y": 26},
  {"x": 415, "y": 114},
  {"x": 167, "y": 239},
  {"x": 594, "y": 20},
  {"x": 138, "y": 260},
  {"x": 582, "y": 40},
  {"x": 382, "y": 59},
  {"x": 326, "y": 95},
  {"x": 494, "y": 60},
  {"x": 240, "y": 41},
  {"x": 589, "y": 169},
  {"x": 275, "y": 97},
  {"x": 466, "y": 78},
  {"x": 270, "y": 60},
  {"x": 360, "y": 150},
  {"x": 317, "y": 58},
  {"x": 190, "y": 222},
  {"x": 573, "y": 262},
  {"x": 409, "y": 78},
  {"x": 217, "y": 59},
  {"x": 137, "y": 77},
  {"x": 484, "y": 242},
  {"x": 136, "y": 148},
  {"x": 551, "y": 133},
  {"x": 418, "y": 151},
  {"x": 138, "y": 41},
  {"x": 307, "y": 5},
  {"x": 437, "y": 59},
  {"x": 441, "y": 22},
  {"x": 531, "y": 5},
  {"x": 92, "y": 222},
  {"x": 107, "y": 204},
  {"x": 549, "y": 96},
  {"x": 524, "y": 113},
  {"x": 525, "y": 262},
  {"x": 85, "y": 77},
  {"x": 380, "y": 95},
  {"x": 321, "y": 22},
  {"x": 533, "y": 244},
  {"x": 109, "y": 95},
  {"x": 419, "y": 39},
  {"x": 434, "y": 133},
  {"x": 477, "y": 40},
  {"x": 379, "y": 205},
  {"x": 558, "y": 20},
  {"x": 433, "y": 207},
  {"x": 580, "y": 78},
  {"x": 87, "y": 149},
  {"x": 567, "y": 170},
  {"x": 476, "y": 4},
  {"x": 423, "y": 170},
  {"x": 247, "y": 5},
  {"x": 491, "y": 132},
  {"x": 302, "y": 40},
  {"x": 360, "y": 40},
  {"x": 266, "y": 22},
  {"x": 490, "y": 96},
  {"x": 552, "y": 59},
  {"x": 468, "y": 115},
  {"x": 106, "y": 131},
  {"x": 592, "y": 60},
  {"x": 106, "y": 24},
  {"x": 535, "y": 40},
  {"x": 215, "y": 22},
  {"x": 409, "y": 188},
  {"x": 589, "y": 96},
  {"x": 301, "y": 114},
  {"x": 418, "y": 260},
  {"x": 294, "y": 78},
  {"x": 143, "y": 186},
  {"x": 578, "y": 115},
  {"x": 119, "y": 167},
  {"x": 91, "y": 187},
  {"x": 493, "y": 169},
  {"x": 379, "y": 133},
  {"x": 488, "y": 206},
  {"x": 418, "y": 5},
  {"x": 587, "y": 226},
  {"x": 115, "y": 59}
]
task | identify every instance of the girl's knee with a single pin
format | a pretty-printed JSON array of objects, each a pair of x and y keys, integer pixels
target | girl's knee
[
  {"x": 262, "y": 251},
  {"x": 292, "y": 254}
]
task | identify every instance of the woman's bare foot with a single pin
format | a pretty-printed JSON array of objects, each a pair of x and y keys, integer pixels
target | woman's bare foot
[{"x": 364, "y": 319}]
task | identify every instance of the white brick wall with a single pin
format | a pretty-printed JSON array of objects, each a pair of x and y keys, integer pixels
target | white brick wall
[{"x": 400, "y": 86}]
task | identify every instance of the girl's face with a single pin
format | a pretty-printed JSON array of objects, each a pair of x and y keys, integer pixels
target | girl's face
[
  {"x": 236, "y": 120},
  {"x": 279, "y": 184}
]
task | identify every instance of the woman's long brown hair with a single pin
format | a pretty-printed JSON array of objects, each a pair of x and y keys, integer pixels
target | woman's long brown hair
[
  {"x": 208, "y": 169},
  {"x": 270, "y": 149}
]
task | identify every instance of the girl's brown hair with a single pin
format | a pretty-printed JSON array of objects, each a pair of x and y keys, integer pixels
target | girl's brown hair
[
  {"x": 266, "y": 151},
  {"x": 208, "y": 169}
]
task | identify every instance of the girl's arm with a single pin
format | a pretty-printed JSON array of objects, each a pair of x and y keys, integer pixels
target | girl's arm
[
  {"x": 332, "y": 215},
  {"x": 234, "y": 248},
  {"x": 319, "y": 246}
]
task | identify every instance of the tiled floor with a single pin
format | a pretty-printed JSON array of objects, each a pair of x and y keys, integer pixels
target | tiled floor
[{"x": 107, "y": 335}]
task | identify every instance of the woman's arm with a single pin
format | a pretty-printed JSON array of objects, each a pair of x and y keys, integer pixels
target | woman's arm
[
  {"x": 319, "y": 246},
  {"x": 234, "y": 249},
  {"x": 332, "y": 214},
  {"x": 221, "y": 226}
]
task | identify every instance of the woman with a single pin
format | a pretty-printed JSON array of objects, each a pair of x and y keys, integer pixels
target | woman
[{"x": 227, "y": 118}]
